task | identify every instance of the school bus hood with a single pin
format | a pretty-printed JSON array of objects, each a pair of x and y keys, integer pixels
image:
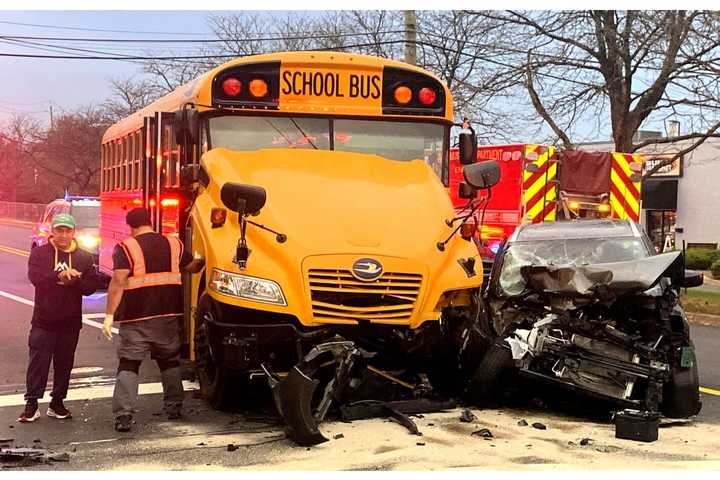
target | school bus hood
[{"x": 340, "y": 202}]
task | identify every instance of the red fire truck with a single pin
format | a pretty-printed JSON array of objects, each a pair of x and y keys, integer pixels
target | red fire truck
[{"x": 540, "y": 183}]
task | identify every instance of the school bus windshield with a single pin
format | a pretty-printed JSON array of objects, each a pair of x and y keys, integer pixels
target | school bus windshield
[{"x": 402, "y": 141}]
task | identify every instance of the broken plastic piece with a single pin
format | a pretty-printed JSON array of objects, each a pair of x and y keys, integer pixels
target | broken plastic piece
[
  {"x": 483, "y": 432},
  {"x": 522, "y": 423},
  {"x": 467, "y": 416},
  {"x": 403, "y": 420},
  {"x": 539, "y": 426}
]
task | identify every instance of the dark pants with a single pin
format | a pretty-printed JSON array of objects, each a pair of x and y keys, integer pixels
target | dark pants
[{"x": 46, "y": 346}]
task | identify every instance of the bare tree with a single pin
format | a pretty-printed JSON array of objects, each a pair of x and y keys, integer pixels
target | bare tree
[
  {"x": 633, "y": 68},
  {"x": 71, "y": 148}
]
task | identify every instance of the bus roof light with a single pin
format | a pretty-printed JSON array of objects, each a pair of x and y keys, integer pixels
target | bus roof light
[
  {"x": 403, "y": 95},
  {"x": 258, "y": 87},
  {"x": 427, "y": 96},
  {"x": 231, "y": 86}
]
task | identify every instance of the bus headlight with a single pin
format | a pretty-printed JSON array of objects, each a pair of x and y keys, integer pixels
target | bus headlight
[
  {"x": 88, "y": 242},
  {"x": 244, "y": 286}
]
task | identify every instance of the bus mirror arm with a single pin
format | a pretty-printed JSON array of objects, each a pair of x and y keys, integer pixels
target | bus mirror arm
[{"x": 279, "y": 237}]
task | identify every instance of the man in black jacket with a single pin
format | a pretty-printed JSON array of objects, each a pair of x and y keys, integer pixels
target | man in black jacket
[{"x": 61, "y": 273}]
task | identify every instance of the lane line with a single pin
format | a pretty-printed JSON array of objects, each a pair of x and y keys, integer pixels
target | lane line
[
  {"x": 87, "y": 317},
  {"x": 92, "y": 393},
  {"x": 710, "y": 391},
  {"x": 14, "y": 251}
]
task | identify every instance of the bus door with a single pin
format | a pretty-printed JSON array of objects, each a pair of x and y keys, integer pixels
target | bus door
[{"x": 162, "y": 170}]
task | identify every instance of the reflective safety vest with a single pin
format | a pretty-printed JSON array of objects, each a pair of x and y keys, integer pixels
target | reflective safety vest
[
  {"x": 140, "y": 278},
  {"x": 151, "y": 294}
]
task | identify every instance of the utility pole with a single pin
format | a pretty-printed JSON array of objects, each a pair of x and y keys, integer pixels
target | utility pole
[
  {"x": 410, "y": 37},
  {"x": 51, "y": 115}
]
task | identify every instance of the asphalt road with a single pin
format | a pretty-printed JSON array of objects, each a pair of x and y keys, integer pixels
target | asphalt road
[{"x": 91, "y": 431}]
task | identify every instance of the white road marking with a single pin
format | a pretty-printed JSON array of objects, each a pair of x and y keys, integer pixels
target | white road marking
[
  {"x": 93, "y": 392},
  {"x": 80, "y": 370},
  {"x": 22, "y": 300},
  {"x": 94, "y": 441},
  {"x": 87, "y": 317}
]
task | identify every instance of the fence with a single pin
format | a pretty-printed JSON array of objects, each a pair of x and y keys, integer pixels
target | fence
[{"x": 30, "y": 212}]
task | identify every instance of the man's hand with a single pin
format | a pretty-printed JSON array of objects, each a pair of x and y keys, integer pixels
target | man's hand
[
  {"x": 107, "y": 326},
  {"x": 68, "y": 276}
]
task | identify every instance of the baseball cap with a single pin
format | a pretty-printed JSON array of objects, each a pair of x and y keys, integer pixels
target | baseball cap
[{"x": 63, "y": 220}]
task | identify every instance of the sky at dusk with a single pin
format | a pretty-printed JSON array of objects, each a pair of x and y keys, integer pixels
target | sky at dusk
[{"x": 30, "y": 84}]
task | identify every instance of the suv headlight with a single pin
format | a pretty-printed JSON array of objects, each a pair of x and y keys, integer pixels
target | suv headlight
[
  {"x": 89, "y": 242},
  {"x": 244, "y": 286}
]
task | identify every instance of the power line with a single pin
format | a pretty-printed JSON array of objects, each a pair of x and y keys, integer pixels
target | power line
[
  {"x": 309, "y": 36},
  {"x": 59, "y": 27}
]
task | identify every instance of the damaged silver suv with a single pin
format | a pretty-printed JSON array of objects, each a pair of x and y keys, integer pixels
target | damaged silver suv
[{"x": 589, "y": 306}]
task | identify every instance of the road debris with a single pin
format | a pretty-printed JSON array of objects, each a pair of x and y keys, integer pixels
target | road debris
[
  {"x": 420, "y": 444},
  {"x": 522, "y": 423},
  {"x": 539, "y": 426},
  {"x": 6, "y": 440},
  {"x": 232, "y": 447},
  {"x": 586, "y": 441},
  {"x": 60, "y": 457},
  {"x": 338, "y": 436},
  {"x": 467, "y": 416},
  {"x": 483, "y": 432}
]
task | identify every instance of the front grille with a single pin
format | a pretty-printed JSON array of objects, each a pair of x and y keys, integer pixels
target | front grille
[{"x": 338, "y": 295}]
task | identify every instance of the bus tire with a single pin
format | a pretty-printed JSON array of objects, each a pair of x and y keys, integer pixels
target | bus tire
[
  {"x": 485, "y": 387},
  {"x": 215, "y": 380}
]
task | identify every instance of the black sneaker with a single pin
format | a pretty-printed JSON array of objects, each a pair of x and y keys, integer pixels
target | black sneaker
[
  {"x": 58, "y": 410},
  {"x": 30, "y": 414},
  {"x": 123, "y": 423}
]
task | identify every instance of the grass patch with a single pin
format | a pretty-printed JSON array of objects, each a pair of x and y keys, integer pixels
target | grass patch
[{"x": 701, "y": 301}]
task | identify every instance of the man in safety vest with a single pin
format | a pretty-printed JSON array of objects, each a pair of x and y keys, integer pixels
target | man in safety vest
[{"x": 145, "y": 298}]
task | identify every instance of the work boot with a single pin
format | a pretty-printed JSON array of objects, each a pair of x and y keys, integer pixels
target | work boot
[
  {"x": 58, "y": 410},
  {"x": 123, "y": 423},
  {"x": 31, "y": 412}
]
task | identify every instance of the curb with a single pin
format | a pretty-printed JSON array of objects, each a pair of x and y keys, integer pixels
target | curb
[{"x": 703, "y": 319}]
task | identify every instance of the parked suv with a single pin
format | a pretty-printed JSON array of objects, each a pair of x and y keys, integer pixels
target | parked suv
[{"x": 86, "y": 211}]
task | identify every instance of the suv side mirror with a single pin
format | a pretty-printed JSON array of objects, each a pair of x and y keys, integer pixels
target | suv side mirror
[
  {"x": 186, "y": 125},
  {"x": 468, "y": 148},
  {"x": 483, "y": 174},
  {"x": 693, "y": 279}
]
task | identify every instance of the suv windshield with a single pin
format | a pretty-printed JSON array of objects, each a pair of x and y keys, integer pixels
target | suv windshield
[
  {"x": 573, "y": 252},
  {"x": 401, "y": 141},
  {"x": 86, "y": 216}
]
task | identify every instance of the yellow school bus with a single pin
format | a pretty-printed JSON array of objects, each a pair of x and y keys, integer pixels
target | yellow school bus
[{"x": 314, "y": 184}]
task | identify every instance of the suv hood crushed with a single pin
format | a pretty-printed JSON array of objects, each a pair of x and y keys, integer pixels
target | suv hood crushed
[{"x": 603, "y": 280}]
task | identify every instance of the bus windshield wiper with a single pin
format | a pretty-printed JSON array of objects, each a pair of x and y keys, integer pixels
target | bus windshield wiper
[{"x": 303, "y": 133}]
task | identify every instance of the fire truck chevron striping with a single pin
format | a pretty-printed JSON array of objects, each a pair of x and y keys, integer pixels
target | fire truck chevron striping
[
  {"x": 624, "y": 193},
  {"x": 539, "y": 196}
]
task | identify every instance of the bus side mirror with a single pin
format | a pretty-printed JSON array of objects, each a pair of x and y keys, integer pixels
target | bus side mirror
[
  {"x": 483, "y": 174},
  {"x": 186, "y": 125},
  {"x": 465, "y": 191},
  {"x": 189, "y": 174},
  {"x": 243, "y": 199},
  {"x": 468, "y": 148}
]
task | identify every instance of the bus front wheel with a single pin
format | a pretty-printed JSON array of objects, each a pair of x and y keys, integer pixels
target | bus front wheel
[{"x": 215, "y": 380}]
